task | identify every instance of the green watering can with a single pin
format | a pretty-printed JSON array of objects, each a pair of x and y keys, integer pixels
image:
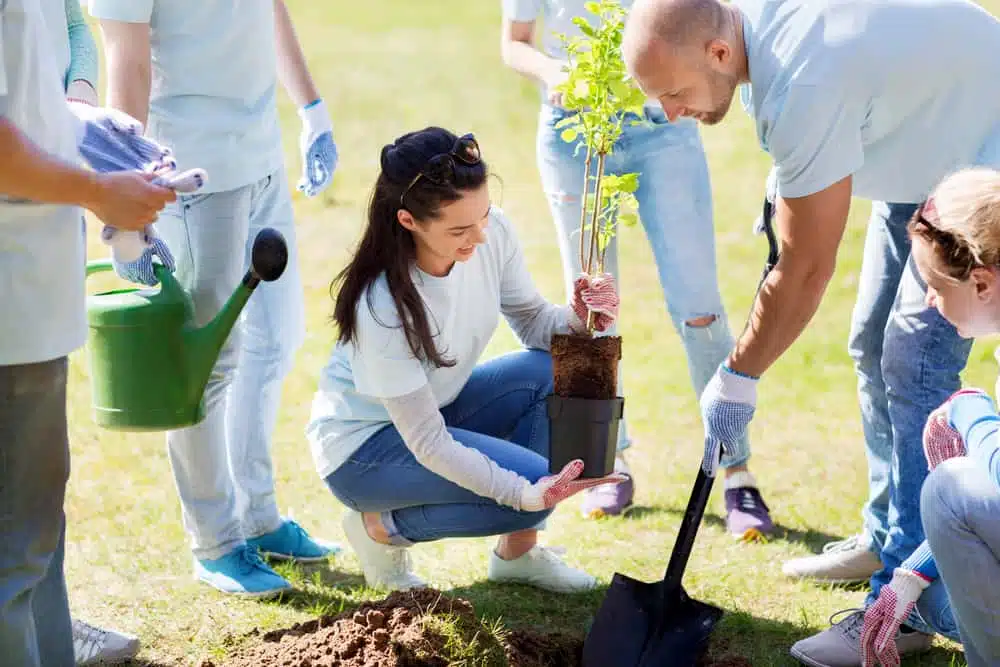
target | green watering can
[{"x": 149, "y": 363}]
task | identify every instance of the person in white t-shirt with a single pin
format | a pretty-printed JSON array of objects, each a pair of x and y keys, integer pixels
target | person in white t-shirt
[{"x": 410, "y": 430}]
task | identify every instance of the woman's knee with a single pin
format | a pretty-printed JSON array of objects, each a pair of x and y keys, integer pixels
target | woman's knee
[{"x": 539, "y": 364}]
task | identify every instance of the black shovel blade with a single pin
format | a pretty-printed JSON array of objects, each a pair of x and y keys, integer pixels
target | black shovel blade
[
  {"x": 641, "y": 625},
  {"x": 682, "y": 638}
]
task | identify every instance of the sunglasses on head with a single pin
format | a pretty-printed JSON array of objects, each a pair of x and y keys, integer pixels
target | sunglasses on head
[
  {"x": 957, "y": 255},
  {"x": 440, "y": 169}
]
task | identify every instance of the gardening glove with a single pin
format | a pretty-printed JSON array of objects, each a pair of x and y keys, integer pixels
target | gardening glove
[
  {"x": 882, "y": 620},
  {"x": 727, "y": 406},
  {"x": 319, "y": 152},
  {"x": 550, "y": 490},
  {"x": 771, "y": 192},
  {"x": 106, "y": 117},
  {"x": 132, "y": 252},
  {"x": 941, "y": 441},
  {"x": 597, "y": 295}
]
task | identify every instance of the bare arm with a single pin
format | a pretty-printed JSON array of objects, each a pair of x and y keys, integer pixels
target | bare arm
[
  {"x": 518, "y": 50},
  {"x": 293, "y": 72},
  {"x": 28, "y": 172},
  {"x": 809, "y": 231},
  {"x": 127, "y": 56}
]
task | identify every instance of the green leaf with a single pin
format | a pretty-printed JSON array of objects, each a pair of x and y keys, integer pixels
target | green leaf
[
  {"x": 592, "y": 7},
  {"x": 584, "y": 27},
  {"x": 629, "y": 182},
  {"x": 569, "y": 135},
  {"x": 628, "y": 219}
]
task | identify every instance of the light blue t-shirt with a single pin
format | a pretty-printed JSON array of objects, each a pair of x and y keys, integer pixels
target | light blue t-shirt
[
  {"x": 214, "y": 81},
  {"x": 556, "y": 17},
  {"x": 896, "y": 92},
  {"x": 42, "y": 247},
  {"x": 464, "y": 310}
]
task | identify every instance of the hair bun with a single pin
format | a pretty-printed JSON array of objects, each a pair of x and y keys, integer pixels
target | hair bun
[{"x": 387, "y": 155}]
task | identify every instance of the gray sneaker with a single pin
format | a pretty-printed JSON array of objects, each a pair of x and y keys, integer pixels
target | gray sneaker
[
  {"x": 843, "y": 562},
  {"x": 840, "y": 645},
  {"x": 97, "y": 646}
]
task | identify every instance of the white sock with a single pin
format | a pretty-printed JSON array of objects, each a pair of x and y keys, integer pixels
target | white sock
[
  {"x": 621, "y": 465},
  {"x": 741, "y": 479}
]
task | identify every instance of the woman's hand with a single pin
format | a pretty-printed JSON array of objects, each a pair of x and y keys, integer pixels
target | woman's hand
[
  {"x": 551, "y": 490},
  {"x": 598, "y": 295}
]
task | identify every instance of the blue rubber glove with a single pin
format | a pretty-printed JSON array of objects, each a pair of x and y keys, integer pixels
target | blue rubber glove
[
  {"x": 319, "y": 152},
  {"x": 727, "y": 406}
]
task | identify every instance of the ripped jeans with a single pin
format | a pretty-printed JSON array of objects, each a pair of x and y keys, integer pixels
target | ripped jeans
[{"x": 675, "y": 207}]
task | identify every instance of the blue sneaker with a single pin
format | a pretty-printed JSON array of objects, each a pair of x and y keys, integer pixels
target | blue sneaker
[
  {"x": 291, "y": 542},
  {"x": 241, "y": 572}
]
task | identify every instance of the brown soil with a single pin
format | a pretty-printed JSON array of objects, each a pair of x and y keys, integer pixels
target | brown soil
[
  {"x": 420, "y": 628},
  {"x": 585, "y": 367}
]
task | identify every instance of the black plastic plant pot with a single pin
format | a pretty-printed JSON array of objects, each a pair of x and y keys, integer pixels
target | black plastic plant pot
[{"x": 584, "y": 428}]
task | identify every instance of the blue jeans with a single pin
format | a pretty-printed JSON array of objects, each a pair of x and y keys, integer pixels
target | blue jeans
[
  {"x": 908, "y": 359},
  {"x": 222, "y": 466},
  {"x": 675, "y": 206},
  {"x": 960, "y": 505},
  {"x": 35, "y": 629},
  {"x": 501, "y": 412}
]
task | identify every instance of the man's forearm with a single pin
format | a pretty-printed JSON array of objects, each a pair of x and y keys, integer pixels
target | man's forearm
[
  {"x": 293, "y": 72},
  {"x": 28, "y": 172},
  {"x": 786, "y": 302},
  {"x": 127, "y": 51}
]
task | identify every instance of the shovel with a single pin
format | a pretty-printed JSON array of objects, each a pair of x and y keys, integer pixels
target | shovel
[{"x": 658, "y": 624}]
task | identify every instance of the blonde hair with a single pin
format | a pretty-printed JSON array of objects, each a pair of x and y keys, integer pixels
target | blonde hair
[{"x": 961, "y": 219}]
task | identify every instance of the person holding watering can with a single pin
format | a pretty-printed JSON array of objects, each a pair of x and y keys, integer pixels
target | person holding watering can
[
  {"x": 42, "y": 254},
  {"x": 76, "y": 55},
  {"x": 848, "y": 100},
  {"x": 205, "y": 73},
  {"x": 418, "y": 437},
  {"x": 956, "y": 248},
  {"x": 675, "y": 206}
]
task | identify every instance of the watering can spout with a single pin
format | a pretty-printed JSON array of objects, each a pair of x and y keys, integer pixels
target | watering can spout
[{"x": 269, "y": 257}]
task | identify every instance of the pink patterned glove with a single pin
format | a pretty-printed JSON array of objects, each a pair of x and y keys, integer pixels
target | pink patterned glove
[
  {"x": 882, "y": 620},
  {"x": 941, "y": 441},
  {"x": 547, "y": 492},
  {"x": 598, "y": 295}
]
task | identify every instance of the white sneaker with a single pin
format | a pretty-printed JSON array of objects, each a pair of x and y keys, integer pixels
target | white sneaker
[
  {"x": 843, "y": 562},
  {"x": 384, "y": 565},
  {"x": 96, "y": 646},
  {"x": 542, "y": 568}
]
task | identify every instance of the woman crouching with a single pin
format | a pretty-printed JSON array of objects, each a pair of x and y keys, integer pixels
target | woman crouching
[{"x": 409, "y": 429}]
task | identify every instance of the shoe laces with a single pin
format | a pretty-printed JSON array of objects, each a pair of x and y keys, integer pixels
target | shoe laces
[
  {"x": 250, "y": 560},
  {"x": 851, "y": 624},
  {"x": 849, "y": 544},
  {"x": 88, "y": 640},
  {"x": 751, "y": 500}
]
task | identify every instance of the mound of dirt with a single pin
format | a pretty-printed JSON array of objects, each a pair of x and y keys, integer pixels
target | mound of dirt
[{"x": 420, "y": 628}]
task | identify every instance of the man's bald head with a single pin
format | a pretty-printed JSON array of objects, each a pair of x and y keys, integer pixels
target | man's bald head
[
  {"x": 677, "y": 24},
  {"x": 686, "y": 53}
]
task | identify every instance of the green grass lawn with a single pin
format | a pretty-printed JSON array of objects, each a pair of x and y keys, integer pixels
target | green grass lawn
[{"x": 407, "y": 66}]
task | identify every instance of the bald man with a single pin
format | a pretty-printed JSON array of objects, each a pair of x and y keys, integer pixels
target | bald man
[{"x": 849, "y": 97}]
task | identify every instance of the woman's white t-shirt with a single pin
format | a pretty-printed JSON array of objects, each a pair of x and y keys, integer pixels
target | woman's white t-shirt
[{"x": 463, "y": 309}]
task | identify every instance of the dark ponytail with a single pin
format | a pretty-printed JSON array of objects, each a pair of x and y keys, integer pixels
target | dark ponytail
[{"x": 387, "y": 247}]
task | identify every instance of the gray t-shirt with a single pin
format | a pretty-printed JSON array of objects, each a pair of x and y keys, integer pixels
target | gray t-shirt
[{"x": 363, "y": 379}]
